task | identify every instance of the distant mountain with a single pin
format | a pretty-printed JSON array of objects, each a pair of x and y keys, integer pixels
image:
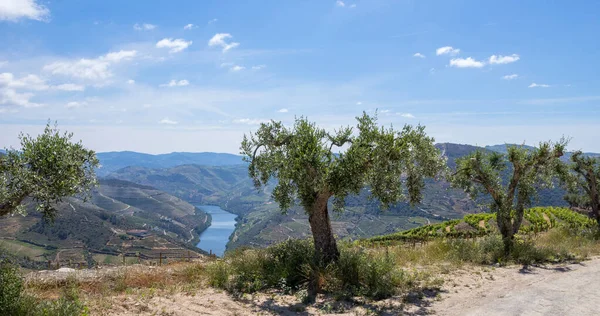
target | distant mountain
[
  {"x": 111, "y": 161},
  {"x": 503, "y": 149},
  {"x": 108, "y": 225},
  {"x": 260, "y": 221}
]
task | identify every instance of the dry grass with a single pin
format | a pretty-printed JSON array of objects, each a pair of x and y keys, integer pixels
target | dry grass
[{"x": 423, "y": 267}]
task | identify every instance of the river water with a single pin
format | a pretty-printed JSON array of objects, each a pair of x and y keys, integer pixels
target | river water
[{"x": 216, "y": 236}]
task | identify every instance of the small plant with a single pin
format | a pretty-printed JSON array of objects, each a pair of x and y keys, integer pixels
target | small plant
[
  {"x": 11, "y": 286},
  {"x": 218, "y": 273}
]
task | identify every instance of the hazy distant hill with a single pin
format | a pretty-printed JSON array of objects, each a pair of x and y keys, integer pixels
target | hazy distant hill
[
  {"x": 97, "y": 231},
  {"x": 111, "y": 161},
  {"x": 261, "y": 222}
]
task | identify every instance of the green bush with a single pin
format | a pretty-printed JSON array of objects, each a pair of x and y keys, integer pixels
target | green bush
[
  {"x": 11, "y": 286},
  {"x": 218, "y": 274},
  {"x": 15, "y": 303}
]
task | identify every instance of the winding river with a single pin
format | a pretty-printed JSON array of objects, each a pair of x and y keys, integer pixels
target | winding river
[{"x": 216, "y": 236}]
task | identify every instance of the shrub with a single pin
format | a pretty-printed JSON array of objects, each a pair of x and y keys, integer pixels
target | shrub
[
  {"x": 218, "y": 274},
  {"x": 11, "y": 286}
]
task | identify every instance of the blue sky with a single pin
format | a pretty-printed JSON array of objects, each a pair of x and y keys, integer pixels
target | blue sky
[{"x": 162, "y": 76}]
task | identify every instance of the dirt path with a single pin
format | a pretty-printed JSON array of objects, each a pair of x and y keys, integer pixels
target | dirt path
[{"x": 557, "y": 290}]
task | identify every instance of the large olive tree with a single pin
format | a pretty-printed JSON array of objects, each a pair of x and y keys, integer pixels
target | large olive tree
[
  {"x": 526, "y": 170},
  {"x": 582, "y": 183},
  {"x": 46, "y": 169},
  {"x": 302, "y": 157}
]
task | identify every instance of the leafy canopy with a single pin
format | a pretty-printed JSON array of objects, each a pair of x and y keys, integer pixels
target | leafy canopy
[
  {"x": 46, "y": 169},
  {"x": 480, "y": 173},
  {"x": 583, "y": 181},
  {"x": 302, "y": 158}
]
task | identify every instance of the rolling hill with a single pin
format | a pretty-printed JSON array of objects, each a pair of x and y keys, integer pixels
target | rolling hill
[
  {"x": 111, "y": 161},
  {"x": 121, "y": 218},
  {"x": 261, "y": 222}
]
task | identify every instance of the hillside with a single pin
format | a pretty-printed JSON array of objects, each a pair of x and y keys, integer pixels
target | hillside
[
  {"x": 100, "y": 230},
  {"x": 262, "y": 223},
  {"x": 111, "y": 161}
]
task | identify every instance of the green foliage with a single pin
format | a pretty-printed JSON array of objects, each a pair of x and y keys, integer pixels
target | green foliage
[
  {"x": 14, "y": 302},
  {"x": 11, "y": 286},
  {"x": 290, "y": 266},
  {"x": 480, "y": 173},
  {"x": 540, "y": 219},
  {"x": 46, "y": 169},
  {"x": 582, "y": 183},
  {"x": 391, "y": 162}
]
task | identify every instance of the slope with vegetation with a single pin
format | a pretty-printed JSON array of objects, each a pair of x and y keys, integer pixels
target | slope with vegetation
[
  {"x": 102, "y": 229},
  {"x": 261, "y": 222}
]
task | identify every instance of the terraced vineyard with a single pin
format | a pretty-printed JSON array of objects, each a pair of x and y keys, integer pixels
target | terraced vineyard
[{"x": 537, "y": 219}]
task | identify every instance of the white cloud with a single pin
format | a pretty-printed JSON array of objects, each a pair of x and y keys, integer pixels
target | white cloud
[
  {"x": 258, "y": 67},
  {"x": 175, "y": 45},
  {"x": 466, "y": 63},
  {"x": 504, "y": 59},
  {"x": 190, "y": 26},
  {"x": 419, "y": 55},
  {"x": 29, "y": 82},
  {"x": 213, "y": 21},
  {"x": 167, "y": 121},
  {"x": 510, "y": 77},
  {"x": 3, "y": 63},
  {"x": 144, "y": 27},
  {"x": 175, "y": 83},
  {"x": 70, "y": 87},
  {"x": 384, "y": 111},
  {"x": 283, "y": 111},
  {"x": 249, "y": 121},
  {"x": 432, "y": 70},
  {"x": 11, "y": 97},
  {"x": 538, "y": 85},
  {"x": 358, "y": 103},
  {"x": 406, "y": 115},
  {"x": 219, "y": 40},
  {"x": 90, "y": 69},
  {"x": 75, "y": 104},
  {"x": 13, "y": 10},
  {"x": 116, "y": 57},
  {"x": 449, "y": 50},
  {"x": 130, "y": 81},
  {"x": 342, "y": 4},
  {"x": 237, "y": 68}
]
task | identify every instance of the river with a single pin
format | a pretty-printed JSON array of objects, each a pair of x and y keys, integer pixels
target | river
[{"x": 216, "y": 236}]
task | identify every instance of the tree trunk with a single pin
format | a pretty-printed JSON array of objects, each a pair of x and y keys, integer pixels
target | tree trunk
[
  {"x": 506, "y": 229},
  {"x": 596, "y": 212},
  {"x": 325, "y": 246},
  {"x": 9, "y": 206}
]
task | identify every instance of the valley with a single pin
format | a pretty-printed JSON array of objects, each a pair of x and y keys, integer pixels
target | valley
[
  {"x": 260, "y": 222},
  {"x": 122, "y": 221}
]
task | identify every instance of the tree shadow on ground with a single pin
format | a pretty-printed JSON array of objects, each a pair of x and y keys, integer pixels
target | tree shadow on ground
[
  {"x": 413, "y": 304},
  {"x": 527, "y": 269}
]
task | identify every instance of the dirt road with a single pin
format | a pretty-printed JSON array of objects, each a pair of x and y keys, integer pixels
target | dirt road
[{"x": 557, "y": 290}]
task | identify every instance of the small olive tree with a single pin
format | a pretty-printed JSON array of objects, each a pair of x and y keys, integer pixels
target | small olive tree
[
  {"x": 46, "y": 169},
  {"x": 480, "y": 173},
  {"x": 582, "y": 183},
  {"x": 392, "y": 163}
]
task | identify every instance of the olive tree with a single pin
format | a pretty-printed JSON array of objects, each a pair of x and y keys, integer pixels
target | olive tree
[
  {"x": 308, "y": 169},
  {"x": 582, "y": 183},
  {"x": 526, "y": 170},
  {"x": 46, "y": 169}
]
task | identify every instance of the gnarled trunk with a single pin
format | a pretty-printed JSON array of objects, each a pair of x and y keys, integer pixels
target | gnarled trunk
[
  {"x": 320, "y": 225},
  {"x": 506, "y": 229},
  {"x": 10, "y": 205}
]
